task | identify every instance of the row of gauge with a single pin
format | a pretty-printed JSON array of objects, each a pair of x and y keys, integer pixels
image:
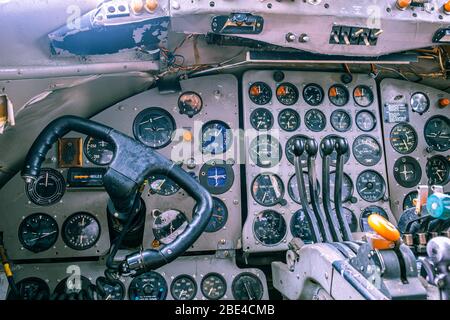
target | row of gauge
[{"x": 150, "y": 286}]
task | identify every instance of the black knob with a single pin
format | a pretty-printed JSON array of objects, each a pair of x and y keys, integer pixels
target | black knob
[
  {"x": 346, "y": 78},
  {"x": 311, "y": 147},
  {"x": 278, "y": 76},
  {"x": 298, "y": 147},
  {"x": 341, "y": 146},
  {"x": 327, "y": 146}
]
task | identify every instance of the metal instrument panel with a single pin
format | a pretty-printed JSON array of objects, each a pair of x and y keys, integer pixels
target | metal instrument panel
[
  {"x": 400, "y": 92},
  {"x": 285, "y": 170}
]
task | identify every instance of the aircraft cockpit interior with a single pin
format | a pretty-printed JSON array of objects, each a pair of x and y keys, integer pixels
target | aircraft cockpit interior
[{"x": 225, "y": 150}]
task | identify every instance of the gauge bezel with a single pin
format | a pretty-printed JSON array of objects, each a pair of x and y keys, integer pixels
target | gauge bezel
[
  {"x": 149, "y": 274},
  {"x": 292, "y": 86},
  {"x": 270, "y": 119},
  {"x": 304, "y": 157},
  {"x": 417, "y": 171},
  {"x": 406, "y": 197},
  {"x": 416, "y": 137},
  {"x": 64, "y": 235},
  {"x": 379, "y": 210},
  {"x": 359, "y": 159},
  {"x": 218, "y": 276},
  {"x": 228, "y": 135},
  {"x": 277, "y": 177},
  {"x": 322, "y": 115},
  {"x": 257, "y": 141},
  {"x": 313, "y": 85},
  {"x": 40, "y": 282},
  {"x": 179, "y": 277},
  {"x": 34, "y": 197},
  {"x": 294, "y": 221},
  {"x": 427, "y": 140},
  {"x": 296, "y": 115},
  {"x": 290, "y": 192},
  {"x": 373, "y": 117},
  {"x": 371, "y": 92},
  {"x": 383, "y": 192},
  {"x": 22, "y": 226},
  {"x": 159, "y": 177},
  {"x": 341, "y": 111},
  {"x": 86, "y": 153},
  {"x": 347, "y": 93},
  {"x": 271, "y": 211},
  {"x": 223, "y": 224},
  {"x": 145, "y": 112},
  {"x": 246, "y": 274},
  {"x": 446, "y": 162},
  {"x": 426, "y": 97},
  {"x": 263, "y": 84},
  {"x": 203, "y": 177},
  {"x": 180, "y": 106}
]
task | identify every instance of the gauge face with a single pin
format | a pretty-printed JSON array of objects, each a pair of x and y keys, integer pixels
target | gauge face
[
  {"x": 403, "y": 138},
  {"x": 47, "y": 189},
  {"x": 289, "y": 120},
  {"x": 347, "y": 187},
  {"x": 363, "y": 96},
  {"x": 31, "y": 289},
  {"x": 247, "y": 286},
  {"x": 333, "y": 156},
  {"x": 183, "y": 288},
  {"x": 338, "y": 95},
  {"x": 287, "y": 94},
  {"x": 315, "y": 120},
  {"x": 407, "y": 172},
  {"x": 261, "y": 119},
  {"x": 366, "y": 121},
  {"x": 216, "y": 177},
  {"x": 300, "y": 227},
  {"x": 148, "y": 286},
  {"x": 72, "y": 285},
  {"x": 289, "y": 150},
  {"x": 341, "y": 120},
  {"x": 112, "y": 289},
  {"x": 293, "y": 188},
  {"x": 437, "y": 133},
  {"x": 38, "y": 232},
  {"x": 367, "y": 150},
  {"x": 219, "y": 216},
  {"x": 363, "y": 224},
  {"x": 370, "y": 186},
  {"x": 267, "y": 189},
  {"x": 154, "y": 127},
  {"x": 408, "y": 202},
  {"x": 269, "y": 227},
  {"x": 81, "y": 231},
  {"x": 438, "y": 170},
  {"x": 213, "y": 286},
  {"x": 216, "y": 137},
  {"x": 313, "y": 94},
  {"x": 260, "y": 93},
  {"x": 420, "y": 102},
  {"x": 162, "y": 185},
  {"x": 98, "y": 152},
  {"x": 265, "y": 151},
  {"x": 190, "y": 103}
]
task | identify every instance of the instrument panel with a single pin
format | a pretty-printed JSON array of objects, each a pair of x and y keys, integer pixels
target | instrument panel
[{"x": 317, "y": 105}]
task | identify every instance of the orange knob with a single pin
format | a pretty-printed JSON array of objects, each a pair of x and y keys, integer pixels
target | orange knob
[
  {"x": 137, "y": 6},
  {"x": 383, "y": 227},
  {"x": 444, "y": 102},
  {"x": 447, "y": 7},
  {"x": 151, "y": 5},
  {"x": 379, "y": 242},
  {"x": 403, "y": 4},
  {"x": 187, "y": 136}
]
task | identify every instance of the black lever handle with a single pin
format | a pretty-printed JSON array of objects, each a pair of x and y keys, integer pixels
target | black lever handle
[
  {"x": 298, "y": 149},
  {"x": 327, "y": 148},
  {"x": 311, "y": 149},
  {"x": 341, "y": 146}
]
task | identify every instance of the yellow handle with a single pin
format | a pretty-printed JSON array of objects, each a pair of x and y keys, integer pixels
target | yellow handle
[{"x": 383, "y": 227}]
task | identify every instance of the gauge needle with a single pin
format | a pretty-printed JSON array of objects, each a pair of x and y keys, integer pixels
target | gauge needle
[
  {"x": 46, "y": 179},
  {"x": 43, "y": 235}
]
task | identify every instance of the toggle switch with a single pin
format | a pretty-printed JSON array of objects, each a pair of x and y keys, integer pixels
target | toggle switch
[{"x": 444, "y": 102}]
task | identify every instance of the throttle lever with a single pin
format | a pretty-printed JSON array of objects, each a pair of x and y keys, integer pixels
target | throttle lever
[
  {"x": 327, "y": 148},
  {"x": 341, "y": 146},
  {"x": 311, "y": 149},
  {"x": 298, "y": 149}
]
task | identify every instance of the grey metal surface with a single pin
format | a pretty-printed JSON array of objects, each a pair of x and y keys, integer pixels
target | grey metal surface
[
  {"x": 400, "y": 91},
  {"x": 196, "y": 267},
  {"x": 285, "y": 169}
]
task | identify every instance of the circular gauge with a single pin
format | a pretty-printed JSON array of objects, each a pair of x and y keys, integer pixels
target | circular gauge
[
  {"x": 333, "y": 157},
  {"x": 341, "y": 120},
  {"x": 154, "y": 127},
  {"x": 420, "y": 102},
  {"x": 315, "y": 120},
  {"x": 265, "y": 151},
  {"x": 47, "y": 189},
  {"x": 338, "y": 95},
  {"x": 300, "y": 227},
  {"x": 289, "y": 150},
  {"x": 219, "y": 216},
  {"x": 31, "y": 289},
  {"x": 363, "y": 224},
  {"x": 370, "y": 186},
  {"x": 437, "y": 133},
  {"x": 269, "y": 227},
  {"x": 81, "y": 231},
  {"x": 38, "y": 232},
  {"x": 110, "y": 289},
  {"x": 438, "y": 170},
  {"x": 367, "y": 150},
  {"x": 293, "y": 188},
  {"x": 162, "y": 185},
  {"x": 351, "y": 219},
  {"x": 216, "y": 137},
  {"x": 247, "y": 286},
  {"x": 260, "y": 93},
  {"x": 148, "y": 286},
  {"x": 407, "y": 172},
  {"x": 403, "y": 138},
  {"x": 289, "y": 120},
  {"x": 216, "y": 177},
  {"x": 267, "y": 189},
  {"x": 98, "y": 152},
  {"x": 261, "y": 119},
  {"x": 313, "y": 94},
  {"x": 183, "y": 287},
  {"x": 366, "y": 121},
  {"x": 408, "y": 202},
  {"x": 190, "y": 103},
  {"x": 213, "y": 286},
  {"x": 287, "y": 94},
  {"x": 347, "y": 187},
  {"x": 363, "y": 96},
  {"x": 71, "y": 287}
]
